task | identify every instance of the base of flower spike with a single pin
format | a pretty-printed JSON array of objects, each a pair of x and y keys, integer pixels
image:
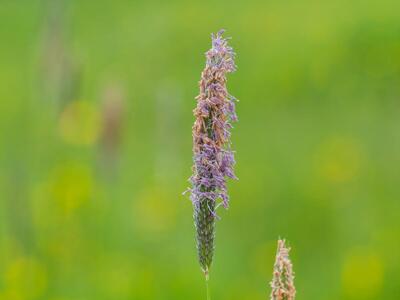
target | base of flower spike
[
  {"x": 205, "y": 232},
  {"x": 206, "y": 274}
]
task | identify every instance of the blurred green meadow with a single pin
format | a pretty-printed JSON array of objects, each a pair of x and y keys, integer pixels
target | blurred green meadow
[{"x": 95, "y": 148}]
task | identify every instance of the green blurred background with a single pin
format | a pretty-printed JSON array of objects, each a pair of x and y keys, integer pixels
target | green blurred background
[{"x": 95, "y": 150}]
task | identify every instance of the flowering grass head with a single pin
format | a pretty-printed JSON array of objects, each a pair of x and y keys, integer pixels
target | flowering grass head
[
  {"x": 282, "y": 283},
  {"x": 212, "y": 154}
]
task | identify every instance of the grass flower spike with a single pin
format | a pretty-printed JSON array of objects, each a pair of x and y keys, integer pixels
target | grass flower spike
[
  {"x": 212, "y": 155},
  {"x": 283, "y": 278}
]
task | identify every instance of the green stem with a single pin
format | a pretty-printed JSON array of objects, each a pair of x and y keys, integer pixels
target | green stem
[{"x": 207, "y": 288}]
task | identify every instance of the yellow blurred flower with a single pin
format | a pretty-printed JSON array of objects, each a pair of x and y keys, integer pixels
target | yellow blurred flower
[
  {"x": 67, "y": 188},
  {"x": 338, "y": 159},
  {"x": 362, "y": 274},
  {"x": 71, "y": 186},
  {"x": 154, "y": 211},
  {"x": 114, "y": 274},
  {"x": 79, "y": 123},
  {"x": 25, "y": 279}
]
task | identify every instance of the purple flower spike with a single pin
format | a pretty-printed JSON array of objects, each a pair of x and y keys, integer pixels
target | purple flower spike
[{"x": 213, "y": 157}]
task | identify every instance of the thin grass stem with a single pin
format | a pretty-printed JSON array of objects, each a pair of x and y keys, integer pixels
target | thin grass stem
[{"x": 207, "y": 289}]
